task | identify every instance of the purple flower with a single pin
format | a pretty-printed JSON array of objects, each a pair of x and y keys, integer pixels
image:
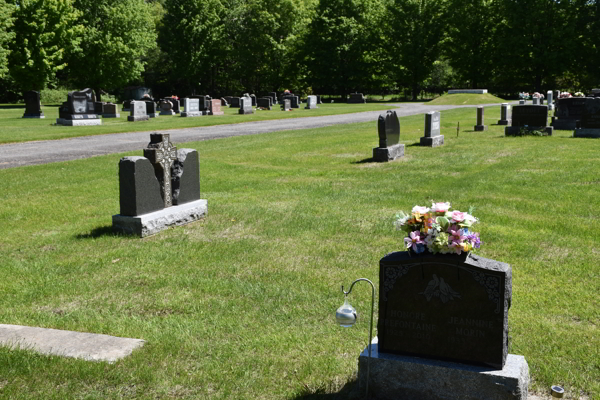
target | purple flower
[
  {"x": 413, "y": 240},
  {"x": 473, "y": 238}
]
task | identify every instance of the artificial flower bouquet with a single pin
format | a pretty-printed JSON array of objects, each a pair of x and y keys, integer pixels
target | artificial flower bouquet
[
  {"x": 564, "y": 95},
  {"x": 537, "y": 95},
  {"x": 438, "y": 229},
  {"x": 524, "y": 95},
  {"x": 579, "y": 94}
]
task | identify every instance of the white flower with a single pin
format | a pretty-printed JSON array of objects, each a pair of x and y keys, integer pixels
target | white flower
[
  {"x": 440, "y": 207},
  {"x": 419, "y": 210}
]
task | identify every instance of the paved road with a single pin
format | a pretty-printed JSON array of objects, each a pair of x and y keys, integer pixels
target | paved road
[{"x": 47, "y": 151}]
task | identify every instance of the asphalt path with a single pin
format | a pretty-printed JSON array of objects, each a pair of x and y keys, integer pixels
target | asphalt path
[{"x": 48, "y": 151}]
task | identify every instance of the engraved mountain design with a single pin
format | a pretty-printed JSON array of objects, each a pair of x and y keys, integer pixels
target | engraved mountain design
[{"x": 438, "y": 288}]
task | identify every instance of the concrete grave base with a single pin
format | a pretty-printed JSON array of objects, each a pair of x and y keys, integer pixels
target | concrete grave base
[
  {"x": 111, "y": 115},
  {"x": 88, "y": 346},
  {"x": 78, "y": 122},
  {"x": 504, "y": 122},
  {"x": 384, "y": 154},
  {"x": 411, "y": 378},
  {"x": 192, "y": 114},
  {"x": 154, "y": 222},
  {"x": 216, "y": 113},
  {"x": 137, "y": 118},
  {"x": 564, "y": 124},
  {"x": 40, "y": 115},
  {"x": 480, "y": 128},
  {"x": 586, "y": 133},
  {"x": 433, "y": 141}
]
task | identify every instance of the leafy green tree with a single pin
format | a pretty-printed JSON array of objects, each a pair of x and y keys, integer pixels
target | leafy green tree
[
  {"x": 117, "y": 37},
  {"x": 6, "y": 35},
  {"x": 416, "y": 31},
  {"x": 586, "y": 17},
  {"x": 45, "y": 32}
]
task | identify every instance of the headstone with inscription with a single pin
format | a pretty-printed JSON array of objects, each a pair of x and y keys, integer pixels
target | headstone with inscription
[
  {"x": 215, "y": 107},
  {"x": 294, "y": 101},
  {"x": 138, "y": 112},
  {"x": 568, "y": 113},
  {"x": 589, "y": 125},
  {"x": 151, "y": 109},
  {"x": 433, "y": 136},
  {"x": 110, "y": 110},
  {"x": 159, "y": 190},
  {"x": 264, "y": 103},
  {"x": 356, "y": 98},
  {"x": 33, "y": 105},
  {"x": 481, "y": 126},
  {"x": 536, "y": 101},
  {"x": 286, "y": 105},
  {"x": 388, "y": 128},
  {"x": 529, "y": 117},
  {"x": 504, "y": 114},
  {"x": 166, "y": 107},
  {"x": 246, "y": 105},
  {"x": 311, "y": 102},
  {"x": 78, "y": 110},
  {"x": 191, "y": 107}
]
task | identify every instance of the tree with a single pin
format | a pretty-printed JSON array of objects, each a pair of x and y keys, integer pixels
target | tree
[
  {"x": 416, "y": 30},
  {"x": 6, "y": 35},
  {"x": 118, "y": 35},
  {"x": 46, "y": 31}
]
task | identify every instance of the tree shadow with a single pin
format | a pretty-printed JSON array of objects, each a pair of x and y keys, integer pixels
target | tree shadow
[
  {"x": 350, "y": 391},
  {"x": 12, "y": 107},
  {"x": 98, "y": 232}
]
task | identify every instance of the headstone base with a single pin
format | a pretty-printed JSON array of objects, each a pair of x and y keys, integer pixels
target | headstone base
[
  {"x": 586, "y": 133},
  {"x": 564, "y": 124},
  {"x": 40, "y": 115},
  {"x": 480, "y": 128},
  {"x": 504, "y": 122},
  {"x": 192, "y": 114},
  {"x": 216, "y": 113},
  {"x": 154, "y": 222},
  {"x": 433, "y": 141},
  {"x": 242, "y": 111},
  {"x": 111, "y": 115},
  {"x": 384, "y": 154},
  {"x": 411, "y": 378},
  {"x": 171, "y": 112},
  {"x": 78, "y": 122},
  {"x": 137, "y": 118},
  {"x": 514, "y": 130}
]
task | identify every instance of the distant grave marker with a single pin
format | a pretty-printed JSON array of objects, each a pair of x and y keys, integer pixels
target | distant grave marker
[
  {"x": 388, "y": 128},
  {"x": 433, "y": 136},
  {"x": 481, "y": 126},
  {"x": 33, "y": 105}
]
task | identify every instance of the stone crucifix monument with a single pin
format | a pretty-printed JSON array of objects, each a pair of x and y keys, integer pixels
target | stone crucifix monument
[{"x": 159, "y": 190}]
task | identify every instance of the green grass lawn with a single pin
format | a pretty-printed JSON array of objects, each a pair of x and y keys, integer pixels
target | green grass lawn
[
  {"x": 14, "y": 128},
  {"x": 464, "y": 99},
  {"x": 241, "y": 305}
]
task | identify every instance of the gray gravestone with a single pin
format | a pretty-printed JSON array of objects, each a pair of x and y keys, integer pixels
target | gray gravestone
[
  {"x": 234, "y": 102},
  {"x": 215, "y": 107},
  {"x": 433, "y": 136},
  {"x": 162, "y": 153},
  {"x": 536, "y": 101},
  {"x": 151, "y": 109},
  {"x": 246, "y": 105},
  {"x": 568, "y": 113},
  {"x": 590, "y": 119},
  {"x": 356, "y": 98},
  {"x": 504, "y": 114},
  {"x": 139, "y": 190},
  {"x": 388, "y": 128},
  {"x": 273, "y": 97},
  {"x": 192, "y": 108},
  {"x": 33, "y": 106},
  {"x": 110, "y": 110},
  {"x": 264, "y": 103},
  {"x": 311, "y": 102},
  {"x": 530, "y": 117},
  {"x": 166, "y": 107},
  {"x": 286, "y": 105},
  {"x": 138, "y": 112},
  {"x": 549, "y": 97},
  {"x": 186, "y": 177},
  {"x": 445, "y": 307},
  {"x": 481, "y": 126}
]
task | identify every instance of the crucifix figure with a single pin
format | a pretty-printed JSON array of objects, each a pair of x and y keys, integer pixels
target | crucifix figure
[{"x": 161, "y": 154}]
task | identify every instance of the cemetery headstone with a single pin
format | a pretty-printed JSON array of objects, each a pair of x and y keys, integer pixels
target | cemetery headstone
[
  {"x": 166, "y": 107},
  {"x": 204, "y": 104},
  {"x": 224, "y": 102},
  {"x": 549, "y": 97},
  {"x": 110, "y": 110},
  {"x": 356, "y": 98},
  {"x": 433, "y": 136},
  {"x": 529, "y": 117},
  {"x": 159, "y": 190},
  {"x": 176, "y": 105},
  {"x": 33, "y": 105},
  {"x": 590, "y": 119},
  {"x": 480, "y": 120},
  {"x": 126, "y": 105},
  {"x": 253, "y": 97},
  {"x": 215, "y": 107},
  {"x": 521, "y": 102},
  {"x": 536, "y": 101},
  {"x": 138, "y": 112},
  {"x": 264, "y": 103},
  {"x": 78, "y": 110},
  {"x": 273, "y": 97},
  {"x": 319, "y": 99},
  {"x": 504, "y": 114},
  {"x": 286, "y": 105},
  {"x": 192, "y": 107},
  {"x": 99, "y": 107},
  {"x": 234, "y": 102},
  {"x": 151, "y": 109},
  {"x": 388, "y": 128},
  {"x": 594, "y": 93},
  {"x": 568, "y": 113},
  {"x": 246, "y": 105},
  {"x": 311, "y": 102}
]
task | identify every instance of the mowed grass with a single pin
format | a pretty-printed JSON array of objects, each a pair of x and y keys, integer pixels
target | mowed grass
[
  {"x": 14, "y": 128},
  {"x": 458, "y": 99},
  {"x": 241, "y": 305}
]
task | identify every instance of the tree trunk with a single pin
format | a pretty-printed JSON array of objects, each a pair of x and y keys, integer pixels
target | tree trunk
[
  {"x": 415, "y": 91},
  {"x": 98, "y": 95}
]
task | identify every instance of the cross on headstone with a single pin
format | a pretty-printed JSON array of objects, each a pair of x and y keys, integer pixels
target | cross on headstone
[{"x": 161, "y": 154}]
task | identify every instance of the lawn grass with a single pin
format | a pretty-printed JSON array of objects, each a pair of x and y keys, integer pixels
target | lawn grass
[
  {"x": 241, "y": 305},
  {"x": 460, "y": 99},
  {"x": 14, "y": 128}
]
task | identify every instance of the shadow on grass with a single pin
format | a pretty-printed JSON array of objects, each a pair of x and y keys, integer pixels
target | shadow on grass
[
  {"x": 415, "y": 144},
  {"x": 365, "y": 161},
  {"x": 350, "y": 391},
  {"x": 98, "y": 232},
  {"x": 12, "y": 107}
]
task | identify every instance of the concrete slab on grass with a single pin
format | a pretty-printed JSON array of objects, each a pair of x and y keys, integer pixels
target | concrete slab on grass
[{"x": 88, "y": 346}]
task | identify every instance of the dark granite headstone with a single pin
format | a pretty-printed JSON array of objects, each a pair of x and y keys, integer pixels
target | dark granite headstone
[
  {"x": 224, "y": 102},
  {"x": 504, "y": 114},
  {"x": 481, "y": 126},
  {"x": 176, "y": 105},
  {"x": 253, "y": 97},
  {"x": 33, "y": 106},
  {"x": 445, "y": 307},
  {"x": 78, "y": 110},
  {"x": 139, "y": 190},
  {"x": 138, "y": 112},
  {"x": 273, "y": 97},
  {"x": 293, "y": 100},
  {"x": 110, "y": 110},
  {"x": 388, "y": 128},
  {"x": 319, "y": 99},
  {"x": 166, "y": 107},
  {"x": 433, "y": 137},
  {"x": 99, "y": 107},
  {"x": 568, "y": 113},
  {"x": 246, "y": 105},
  {"x": 531, "y": 117},
  {"x": 151, "y": 109},
  {"x": 590, "y": 119},
  {"x": 185, "y": 177},
  {"x": 126, "y": 105},
  {"x": 264, "y": 103},
  {"x": 234, "y": 102},
  {"x": 215, "y": 107},
  {"x": 356, "y": 98}
]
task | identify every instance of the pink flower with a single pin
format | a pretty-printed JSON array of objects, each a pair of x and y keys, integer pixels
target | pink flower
[
  {"x": 440, "y": 207},
  {"x": 413, "y": 240},
  {"x": 419, "y": 210},
  {"x": 458, "y": 216}
]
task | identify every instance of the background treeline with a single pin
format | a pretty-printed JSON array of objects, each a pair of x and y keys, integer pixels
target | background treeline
[{"x": 336, "y": 47}]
